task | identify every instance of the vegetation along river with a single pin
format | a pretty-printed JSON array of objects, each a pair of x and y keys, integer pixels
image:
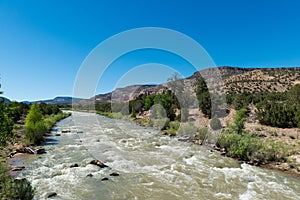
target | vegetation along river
[{"x": 150, "y": 166}]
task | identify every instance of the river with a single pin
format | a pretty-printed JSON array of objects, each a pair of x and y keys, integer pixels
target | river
[{"x": 151, "y": 166}]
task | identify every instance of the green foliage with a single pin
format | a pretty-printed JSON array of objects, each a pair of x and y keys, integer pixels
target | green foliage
[
  {"x": 250, "y": 147},
  {"x": 173, "y": 128},
  {"x": 202, "y": 133},
  {"x": 103, "y": 107},
  {"x": 294, "y": 94},
  {"x": 133, "y": 113},
  {"x": 187, "y": 128},
  {"x": 239, "y": 120},
  {"x": 203, "y": 97},
  {"x": 278, "y": 114},
  {"x": 273, "y": 109},
  {"x": 167, "y": 100},
  {"x": 34, "y": 126},
  {"x": 6, "y": 123},
  {"x": 273, "y": 133},
  {"x": 14, "y": 188},
  {"x": 114, "y": 115},
  {"x": 215, "y": 123},
  {"x": 49, "y": 109},
  {"x": 37, "y": 124}
]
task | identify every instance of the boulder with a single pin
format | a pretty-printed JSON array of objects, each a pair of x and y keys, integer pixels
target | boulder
[
  {"x": 40, "y": 151},
  {"x": 114, "y": 174},
  {"x": 184, "y": 139},
  {"x": 89, "y": 175},
  {"x": 74, "y": 165},
  {"x": 104, "y": 179},
  {"x": 12, "y": 154},
  {"x": 98, "y": 163},
  {"x": 285, "y": 166},
  {"x": 26, "y": 150},
  {"x": 19, "y": 168},
  {"x": 51, "y": 194}
]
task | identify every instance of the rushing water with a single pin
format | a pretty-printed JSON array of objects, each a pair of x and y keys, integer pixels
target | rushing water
[{"x": 151, "y": 166}]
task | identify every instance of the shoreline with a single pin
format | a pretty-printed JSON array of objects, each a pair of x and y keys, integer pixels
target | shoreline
[{"x": 13, "y": 153}]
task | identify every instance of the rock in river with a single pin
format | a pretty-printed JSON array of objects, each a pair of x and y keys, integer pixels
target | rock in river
[
  {"x": 19, "y": 168},
  {"x": 98, "y": 163},
  {"x": 40, "y": 151},
  {"x": 51, "y": 194},
  {"x": 74, "y": 165},
  {"x": 114, "y": 174}
]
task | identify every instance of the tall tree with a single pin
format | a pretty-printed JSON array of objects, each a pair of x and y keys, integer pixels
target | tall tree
[
  {"x": 35, "y": 126},
  {"x": 203, "y": 96}
]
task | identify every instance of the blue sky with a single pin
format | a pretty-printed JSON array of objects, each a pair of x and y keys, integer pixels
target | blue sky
[{"x": 43, "y": 43}]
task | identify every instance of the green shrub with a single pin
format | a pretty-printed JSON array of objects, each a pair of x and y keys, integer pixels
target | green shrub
[
  {"x": 36, "y": 125},
  {"x": 14, "y": 188},
  {"x": 202, "y": 133},
  {"x": 215, "y": 124},
  {"x": 161, "y": 124},
  {"x": 174, "y": 125},
  {"x": 187, "y": 129},
  {"x": 273, "y": 133},
  {"x": 250, "y": 147}
]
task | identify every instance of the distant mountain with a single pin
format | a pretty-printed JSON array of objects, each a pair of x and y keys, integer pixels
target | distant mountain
[
  {"x": 6, "y": 100},
  {"x": 26, "y": 102},
  {"x": 60, "y": 100}
]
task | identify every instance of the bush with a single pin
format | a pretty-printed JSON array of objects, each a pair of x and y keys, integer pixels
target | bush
[
  {"x": 202, "y": 133},
  {"x": 215, "y": 124},
  {"x": 187, "y": 129},
  {"x": 250, "y": 147},
  {"x": 14, "y": 188},
  {"x": 173, "y": 128},
  {"x": 36, "y": 125}
]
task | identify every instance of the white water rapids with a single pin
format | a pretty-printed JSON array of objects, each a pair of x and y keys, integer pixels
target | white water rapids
[{"x": 151, "y": 166}]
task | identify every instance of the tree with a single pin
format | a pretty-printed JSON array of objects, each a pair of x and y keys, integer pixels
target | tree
[
  {"x": 183, "y": 94},
  {"x": 294, "y": 94},
  {"x": 239, "y": 120},
  {"x": 6, "y": 125},
  {"x": 35, "y": 126},
  {"x": 203, "y": 96}
]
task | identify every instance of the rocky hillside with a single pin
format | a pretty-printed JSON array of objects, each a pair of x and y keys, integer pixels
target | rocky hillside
[{"x": 235, "y": 79}]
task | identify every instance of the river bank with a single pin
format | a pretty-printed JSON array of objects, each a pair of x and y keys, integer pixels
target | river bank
[{"x": 14, "y": 154}]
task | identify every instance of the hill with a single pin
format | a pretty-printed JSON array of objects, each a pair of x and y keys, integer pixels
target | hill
[{"x": 235, "y": 79}]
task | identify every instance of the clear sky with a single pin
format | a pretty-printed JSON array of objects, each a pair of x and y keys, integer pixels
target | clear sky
[{"x": 43, "y": 43}]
